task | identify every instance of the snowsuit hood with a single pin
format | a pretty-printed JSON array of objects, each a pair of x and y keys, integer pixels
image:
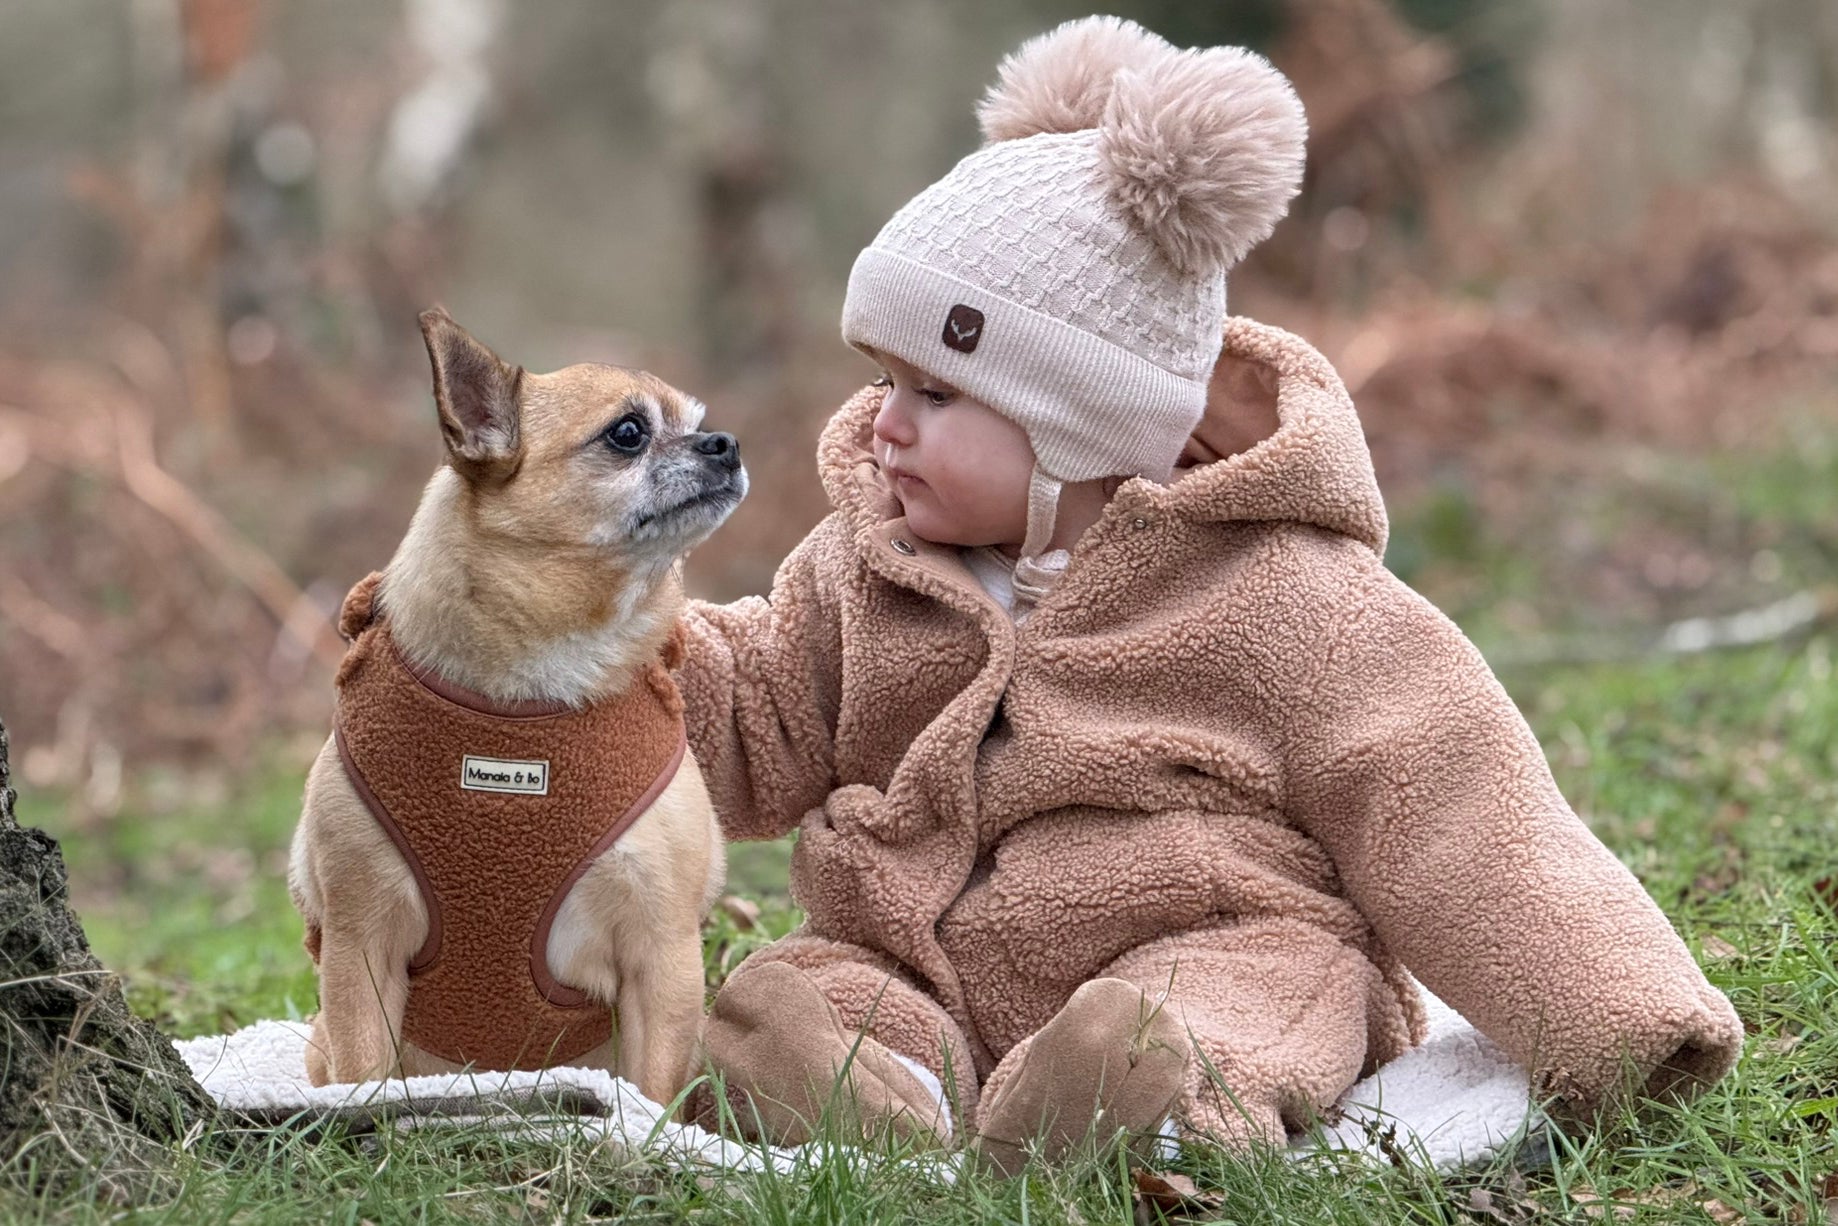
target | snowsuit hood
[{"x": 1315, "y": 469}]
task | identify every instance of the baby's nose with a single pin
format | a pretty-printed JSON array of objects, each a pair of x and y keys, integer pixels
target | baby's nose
[{"x": 893, "y": 426}]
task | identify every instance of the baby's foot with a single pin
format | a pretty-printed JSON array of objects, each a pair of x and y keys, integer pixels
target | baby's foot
[
  {"x": 1110, "y": 1060},
  {"x": 779, "y": 1042}
]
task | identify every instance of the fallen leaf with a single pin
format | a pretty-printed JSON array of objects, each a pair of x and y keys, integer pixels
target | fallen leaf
[
  {"x": 1595, "y": 1205},
  {"x": 1709, "y": 885},
  {"x": 744, "y": 912},
  {"x": 1781, "y": 1044},
  {"x": 1171, "y": 1192},
  {"x": 1481, "y": 1202},
  {"x": 1717, "y": 947}
]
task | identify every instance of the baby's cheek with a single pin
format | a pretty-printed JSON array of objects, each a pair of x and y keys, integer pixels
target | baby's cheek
[{"x": 1003, "y": 512}]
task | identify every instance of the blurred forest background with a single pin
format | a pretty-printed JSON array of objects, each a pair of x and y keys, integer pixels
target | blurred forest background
[{"x": 1570, "y": 255}]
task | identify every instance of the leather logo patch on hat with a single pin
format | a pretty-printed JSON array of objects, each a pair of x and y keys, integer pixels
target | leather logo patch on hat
[{"x": 963, "y": 328}]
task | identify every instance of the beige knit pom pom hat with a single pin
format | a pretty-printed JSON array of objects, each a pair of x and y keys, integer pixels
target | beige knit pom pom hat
[{"x": 1070, "y": 274}]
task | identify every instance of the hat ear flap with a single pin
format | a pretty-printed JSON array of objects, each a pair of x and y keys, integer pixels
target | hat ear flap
[
  {"x": 1060, "y": 81},
  {"x": 1205, "y": 148}
]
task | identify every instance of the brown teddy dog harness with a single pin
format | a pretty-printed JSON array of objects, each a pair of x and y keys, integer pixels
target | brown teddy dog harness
[{"x": 498, "y": 808}]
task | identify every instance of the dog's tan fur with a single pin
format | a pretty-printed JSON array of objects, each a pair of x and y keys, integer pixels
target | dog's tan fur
[{"x": 522, "y": 577}]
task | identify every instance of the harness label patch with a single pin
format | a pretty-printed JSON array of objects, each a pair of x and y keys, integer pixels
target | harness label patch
[{"x": 504, "y": 775}]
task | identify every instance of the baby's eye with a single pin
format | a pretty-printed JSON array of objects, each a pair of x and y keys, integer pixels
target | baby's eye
[
  {"x": 939, "y": 398},
  {"x": 882, "y": 380}
]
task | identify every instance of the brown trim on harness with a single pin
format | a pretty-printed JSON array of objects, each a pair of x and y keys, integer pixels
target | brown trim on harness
[
  {"x": 472, "y": 700},
  {"x": 555, "y": 992},
  {"x": 429, "y": 953},
  {"x": 561, "y": 994}
]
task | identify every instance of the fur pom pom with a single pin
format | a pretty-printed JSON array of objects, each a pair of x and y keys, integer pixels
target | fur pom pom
[
  {"x": 1205, "y": 148},
  {"x": 1061, "y": 81}
]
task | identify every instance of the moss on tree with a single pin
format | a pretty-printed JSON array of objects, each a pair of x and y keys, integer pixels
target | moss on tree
[{"x": 87, "y": 1089}]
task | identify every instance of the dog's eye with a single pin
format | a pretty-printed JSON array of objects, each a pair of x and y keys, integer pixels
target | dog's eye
[{"x": 628, "y": 434}]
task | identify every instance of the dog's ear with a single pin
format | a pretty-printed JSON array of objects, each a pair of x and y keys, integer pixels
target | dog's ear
[{"x": 476, "y": 394}]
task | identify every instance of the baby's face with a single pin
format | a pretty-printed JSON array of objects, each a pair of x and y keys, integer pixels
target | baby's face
[{"x": 960, "y": 468}]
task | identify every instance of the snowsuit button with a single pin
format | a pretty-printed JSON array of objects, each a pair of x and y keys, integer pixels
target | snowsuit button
[
  {"x": 1139, "y": 523},
  {"x": 905, "y": 547}
]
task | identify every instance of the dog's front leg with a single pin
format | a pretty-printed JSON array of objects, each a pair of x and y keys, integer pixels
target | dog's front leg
[
  {"x": 351, "y": 883},
  {"x": 363, "y": 992},
  {"x": 660, "y": 1016}
]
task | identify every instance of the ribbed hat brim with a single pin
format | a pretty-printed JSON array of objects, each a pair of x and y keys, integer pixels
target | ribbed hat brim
[{"x": 1091, "y": 408}]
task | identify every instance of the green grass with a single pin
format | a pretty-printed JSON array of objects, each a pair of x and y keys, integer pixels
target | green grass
[
  {"x": 1638, "y": 538},
  {"x": 202, "y": 924},
  {"x": 1714, "y": 778}
]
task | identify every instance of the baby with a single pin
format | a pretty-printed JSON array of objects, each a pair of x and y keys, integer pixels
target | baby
[{"x": 1127, "y": 780}]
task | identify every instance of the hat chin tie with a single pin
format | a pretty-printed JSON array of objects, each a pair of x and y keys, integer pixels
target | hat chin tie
[{"x": 1039, "y": 567}]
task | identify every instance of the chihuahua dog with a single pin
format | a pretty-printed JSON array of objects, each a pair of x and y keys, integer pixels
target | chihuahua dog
[{"x": 506, "y": 849}]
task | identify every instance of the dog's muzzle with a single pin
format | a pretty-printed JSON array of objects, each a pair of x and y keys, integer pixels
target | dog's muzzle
[{"x": 721, "y": 449}]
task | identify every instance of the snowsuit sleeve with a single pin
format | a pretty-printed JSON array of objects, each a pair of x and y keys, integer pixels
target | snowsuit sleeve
[
  {"x": 1412, "y": 766},
  {"x": 762, "y": 681}
]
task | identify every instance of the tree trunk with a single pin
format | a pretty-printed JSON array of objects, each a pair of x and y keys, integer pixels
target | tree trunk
[{"x": 88, "y": 1091}]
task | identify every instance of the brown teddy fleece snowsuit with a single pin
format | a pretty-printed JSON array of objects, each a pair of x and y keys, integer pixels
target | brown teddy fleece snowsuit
[{"x": 1229, "y": 758}]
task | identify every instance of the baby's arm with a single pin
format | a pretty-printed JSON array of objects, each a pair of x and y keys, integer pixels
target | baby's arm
[
  {"x": 761, "y": 682},
  {"x": 1414, "y": 769}
]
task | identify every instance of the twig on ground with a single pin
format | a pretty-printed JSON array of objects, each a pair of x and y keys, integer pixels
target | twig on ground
[
  {"x": 1788, "y": 618},
  {"x": 258, "y": 572},
  {"x": 1770, "y": 623},
  {"x": 297, "y": 614},
  {"x": 42, "y": 620},
  {"x": 369, "y": 1117}
]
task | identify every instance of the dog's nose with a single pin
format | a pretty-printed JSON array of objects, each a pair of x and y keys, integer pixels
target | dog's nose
[{"x": 720, "y": 447}]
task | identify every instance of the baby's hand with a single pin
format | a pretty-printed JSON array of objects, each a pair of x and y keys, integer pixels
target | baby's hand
[{"x": 1240, "y": 412}]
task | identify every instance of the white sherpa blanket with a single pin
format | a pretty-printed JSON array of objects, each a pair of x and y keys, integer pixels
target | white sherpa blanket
[{"x": 1453, "y": 1102}]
